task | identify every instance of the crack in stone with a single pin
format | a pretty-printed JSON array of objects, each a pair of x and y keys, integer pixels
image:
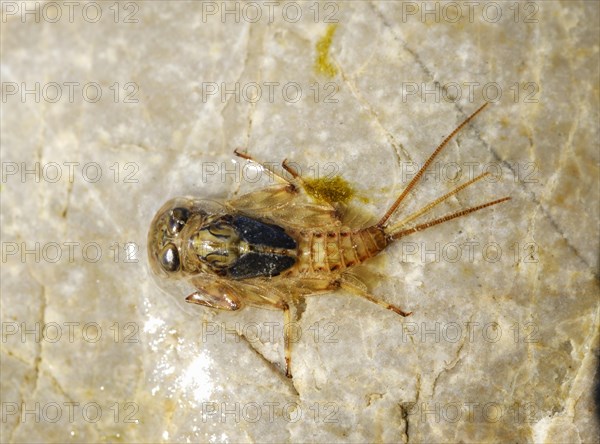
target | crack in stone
[
  {"x": 42, "y": 317},
  {"x": 144, "y": 148},
  {"x": 60, "y": 388},
  {"x": 21, "y": 395},
  {"x": 71, "y": 182},
  {"x": 397, "y": 146},
  {"x": 413, "y": 53},
  {"x": 276, "y": 368},
  {"x": 313, "y": 368},
  {"x": 404, "y": 414},
  {"x": 451, "y": 365},
  {"x": 592, "y": 339},
  {"x": 494, "y": 153},
  {"x": 37, "y": 360},
  {"x": 532, "y": 196},
  {"x": 259, "y": 40},
  {"x": 68, "y": 200},
  {"x": 237, "y": 81},
  {"x": 19, "y": 358},
  {"x": 254, "y": 40},
  {"x": 405, "y": 411}
]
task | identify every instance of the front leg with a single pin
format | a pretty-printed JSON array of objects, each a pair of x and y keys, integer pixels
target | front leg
[{"x": 215, "y": 293}]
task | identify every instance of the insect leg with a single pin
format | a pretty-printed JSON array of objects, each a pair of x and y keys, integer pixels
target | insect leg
[
  {"x": 286, "y": 339},
  {"x": 345, "y": 284},
  {"x": 264, "y": 166},
  {"x": 222, "y": 303},
  {"x": 286, "y": 166},
  {"x": 215, "y": 293},
  {"x": 419, "y": 174}
]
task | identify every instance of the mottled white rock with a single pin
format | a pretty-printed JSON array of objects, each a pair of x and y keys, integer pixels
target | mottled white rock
[{"x": 494, "y": 351}]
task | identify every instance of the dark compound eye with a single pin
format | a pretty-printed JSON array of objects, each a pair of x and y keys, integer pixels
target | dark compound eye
[
  {"x": 169, "y": 258},
  {"x": 177, "y": 219}
]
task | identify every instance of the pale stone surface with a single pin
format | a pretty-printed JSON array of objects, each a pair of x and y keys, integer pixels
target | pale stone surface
[{"x": 522, "y": 370}]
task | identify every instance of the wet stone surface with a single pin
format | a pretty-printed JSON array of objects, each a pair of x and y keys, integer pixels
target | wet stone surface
[{"x": 149, "y": 101}]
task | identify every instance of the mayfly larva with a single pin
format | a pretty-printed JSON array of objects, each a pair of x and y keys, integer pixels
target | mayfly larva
[{"x": 271, "y": 247}]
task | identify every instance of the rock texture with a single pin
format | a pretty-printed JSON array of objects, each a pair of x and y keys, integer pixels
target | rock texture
[{"x": 503, "y": 341}]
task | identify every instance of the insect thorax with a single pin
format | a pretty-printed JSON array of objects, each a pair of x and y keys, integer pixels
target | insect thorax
[{"x": 240, "y": 247}]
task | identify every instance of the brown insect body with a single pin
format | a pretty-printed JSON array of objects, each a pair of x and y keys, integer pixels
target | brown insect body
[
  {"x": 333, "y": 251},
  {"x": 274, "y": 246}
]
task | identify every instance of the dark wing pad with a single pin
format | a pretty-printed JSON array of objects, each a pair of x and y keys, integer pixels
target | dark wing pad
[
  {"x": 260, "y": 233},
  {"x": 259, "y": 264}
]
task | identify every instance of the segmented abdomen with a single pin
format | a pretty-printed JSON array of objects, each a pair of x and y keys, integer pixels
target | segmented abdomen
[{"x": 335, "y": 250}]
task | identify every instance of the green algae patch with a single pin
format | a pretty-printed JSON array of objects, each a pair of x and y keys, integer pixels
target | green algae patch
[
  {"x": 323, "y": 64},
  {"x": 330, "y": 189}
]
